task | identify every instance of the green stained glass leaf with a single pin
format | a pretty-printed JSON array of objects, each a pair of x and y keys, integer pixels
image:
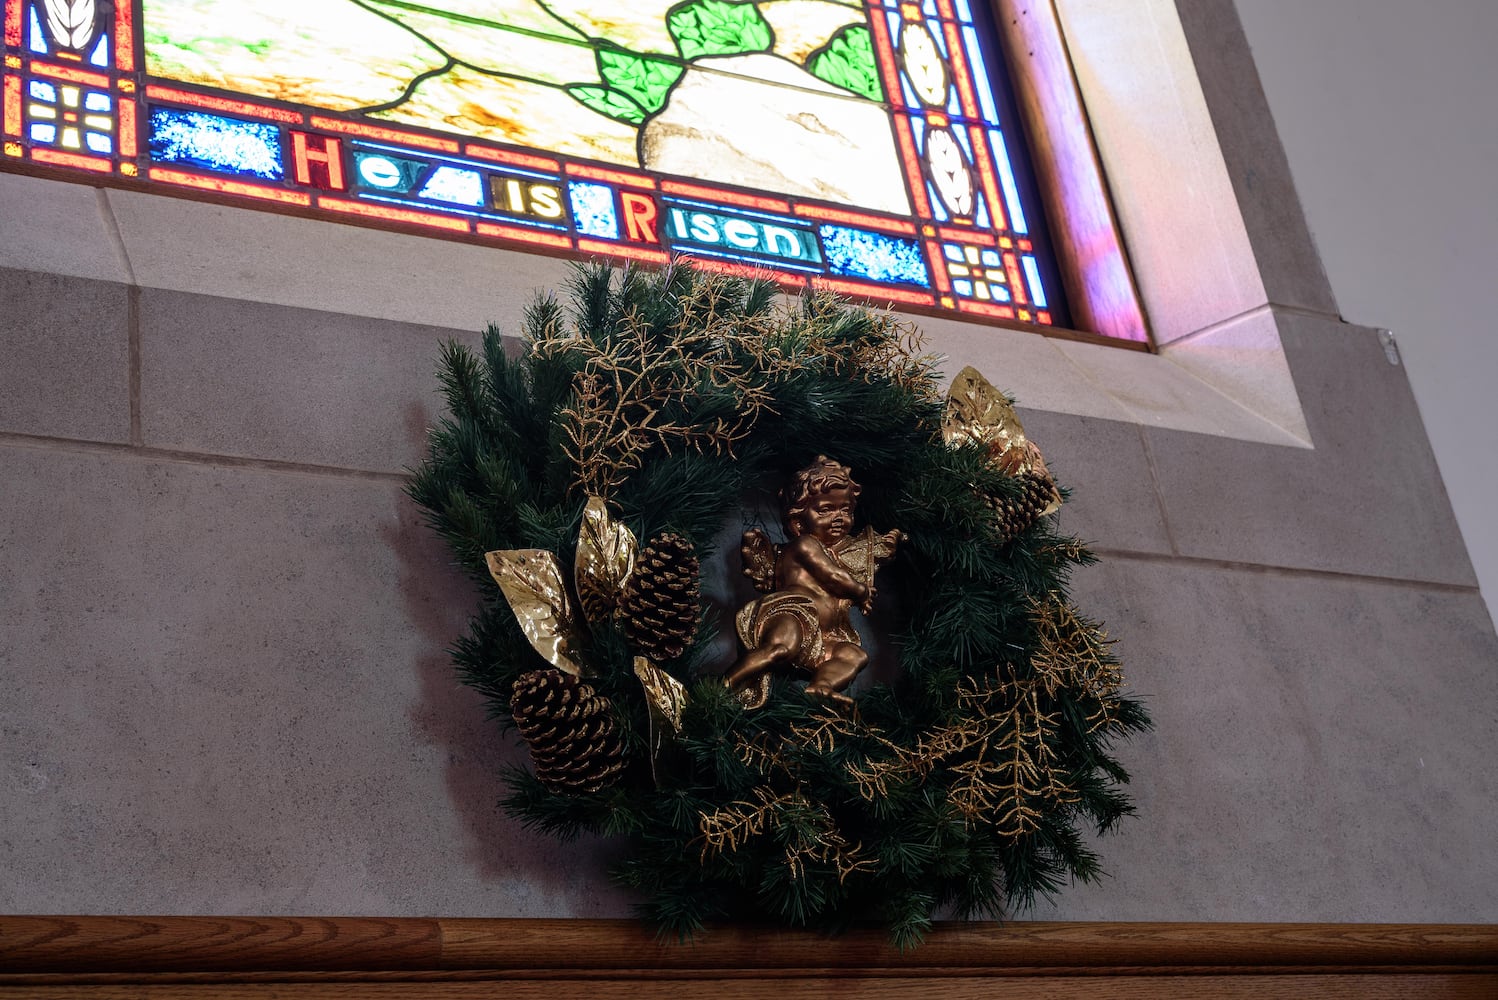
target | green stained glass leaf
[
  {"x": 646, "y": 79},
  {"x": 718, "y": 28},
  {"x": 608, "y": 101},
  {"x": 847, "y": 61}
]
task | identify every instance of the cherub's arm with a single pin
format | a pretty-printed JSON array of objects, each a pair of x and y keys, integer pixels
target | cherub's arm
[{"x": 825, "y": 568}]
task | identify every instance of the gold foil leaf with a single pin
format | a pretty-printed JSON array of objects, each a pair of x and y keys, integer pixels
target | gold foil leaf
[
  {"x": 666, "y": 696},
  {"x": 979, "y": 413},
  {"x": 531, "y": 580},
  {"x": 605, "y": 558}
]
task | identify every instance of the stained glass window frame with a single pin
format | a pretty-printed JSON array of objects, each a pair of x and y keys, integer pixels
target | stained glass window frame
[{"x": 303, "y": 164}]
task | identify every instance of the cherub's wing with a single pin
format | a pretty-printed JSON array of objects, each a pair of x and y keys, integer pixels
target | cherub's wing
[{"x": 759, "y": 559}]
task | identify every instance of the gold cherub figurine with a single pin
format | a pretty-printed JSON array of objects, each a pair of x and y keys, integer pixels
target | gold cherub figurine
[{"x": 809, "y": 584}]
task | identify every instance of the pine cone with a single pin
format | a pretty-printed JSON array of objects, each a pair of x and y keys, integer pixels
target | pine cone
[
  {"x": 596, "y": 602},
  {"x": 1018, "y": 515},
  {"x": 659, "y": 606},
  {"x": 570, "y": 731}
]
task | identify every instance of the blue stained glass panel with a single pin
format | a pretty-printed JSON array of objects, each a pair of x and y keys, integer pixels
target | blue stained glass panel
[
  {"x": 876, "y": 256},
  {"x": 98, "y": 142},
  {"x": 37, "y": 38},
  {"x": 991, "y": 258},
  {"x": 1006, "y": 178},
  {"x": 593, "y": 210},
  {"x": 965, "y": 141},
  {"x": 251, "y": 149},
  {"x": 455, "y": 186},
  {"x": 95, "y": 101},
  {"x": 42, "y": 132},
  {"x": 1037, "y": 290},
  {"x": 100, "y": 55},
  {"x": 937, "y": 208},
  {"x": 980, "y": 76},
  {"x": 939, "y": 37},
  {"x": 42, "y": 91},
  {"x": 911, "y": 101}
]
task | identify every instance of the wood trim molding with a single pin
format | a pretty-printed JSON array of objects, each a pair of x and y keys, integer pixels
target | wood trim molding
[{"x": 43, "y": 956}]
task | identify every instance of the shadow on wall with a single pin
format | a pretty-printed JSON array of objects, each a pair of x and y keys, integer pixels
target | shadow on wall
[{"x": 547, "y": 879}]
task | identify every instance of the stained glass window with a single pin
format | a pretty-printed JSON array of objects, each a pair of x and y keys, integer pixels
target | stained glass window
[{"x": 866, "y": 147}]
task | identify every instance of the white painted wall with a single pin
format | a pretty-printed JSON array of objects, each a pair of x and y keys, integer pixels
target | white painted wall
[{"x": 1388, "y": 111}]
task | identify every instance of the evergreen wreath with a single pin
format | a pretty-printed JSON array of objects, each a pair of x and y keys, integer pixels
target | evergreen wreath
[{"x": 680, "y": 398}]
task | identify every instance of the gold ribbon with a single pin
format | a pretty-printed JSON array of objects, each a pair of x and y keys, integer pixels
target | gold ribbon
[
  {"x": 667, "y": 698},
  {"x": 531, "y": 580},
  {"x": 605, "y": 558},
  {"x": 980, "y": 414}
]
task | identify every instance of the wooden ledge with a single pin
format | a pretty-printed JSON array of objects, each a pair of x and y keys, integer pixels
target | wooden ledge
[{"x": 313, "y": 957}]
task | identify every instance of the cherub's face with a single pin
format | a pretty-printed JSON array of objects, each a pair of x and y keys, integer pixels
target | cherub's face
[{"x": 828, "y": 516}]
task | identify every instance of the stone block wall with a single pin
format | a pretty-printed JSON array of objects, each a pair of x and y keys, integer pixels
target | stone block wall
[
  {"x": 226, "y": 690},
  {"x": 223, "y": 686}
]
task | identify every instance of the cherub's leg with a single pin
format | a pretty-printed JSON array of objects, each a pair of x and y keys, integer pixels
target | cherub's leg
[
  {"x": 780, "y": 640},
  {"x": 837, "y": 671}
]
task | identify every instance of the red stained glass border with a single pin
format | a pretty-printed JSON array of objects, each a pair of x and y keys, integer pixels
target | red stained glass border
[{"x": 13, "y": 23}]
